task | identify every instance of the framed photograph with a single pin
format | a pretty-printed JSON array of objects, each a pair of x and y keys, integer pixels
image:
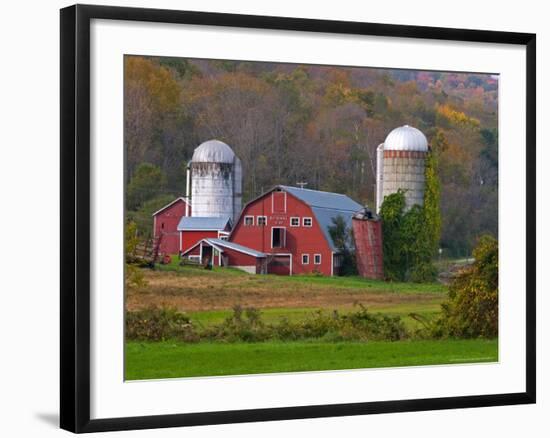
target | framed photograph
[{"x": 267, "y": 218}]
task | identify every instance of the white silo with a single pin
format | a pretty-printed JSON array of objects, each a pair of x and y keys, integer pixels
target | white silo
[
  {"x": 216, "y": 181},
  {"x": 401, "y": 162}
]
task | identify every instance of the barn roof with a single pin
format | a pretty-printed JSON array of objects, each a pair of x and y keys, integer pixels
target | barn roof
[
  {"x": 326, "y": 206},
  {"x": 198, "y": 223}
]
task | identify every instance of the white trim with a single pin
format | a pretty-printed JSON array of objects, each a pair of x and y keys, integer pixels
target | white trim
[
  {"x": 295, "y": 217},
  {"x": 284, "y": 243},
  {"x": 221, "y": 246},
  {"x": 332, "y": 263},
  {"x": 258, "y": 220},
  {"x": 320, "y": 259},
  {"x": 229, "y": 247},
  {"x": 154, "y": 226},
  {"x": 244, "y": 221},
  {"x": 199, "y": 229},
  {"x": 307, "y": 257},
  {"x": 169, "y": 205},
  {"x": 304, "y": 221},
  {"x": 181, "y": 242}
]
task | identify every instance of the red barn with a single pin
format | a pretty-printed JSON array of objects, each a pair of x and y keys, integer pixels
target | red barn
[
  {"x": 291, "y": 226},
  {"x": 194, "y": 229},
  {"x": 165, "y": 224}
]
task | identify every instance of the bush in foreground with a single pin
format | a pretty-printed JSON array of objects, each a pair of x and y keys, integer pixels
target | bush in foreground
[{"x": 246, "y": 325}]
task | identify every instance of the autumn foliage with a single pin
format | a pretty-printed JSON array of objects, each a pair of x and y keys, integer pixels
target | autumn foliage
[{"x": 313, "y": 123}]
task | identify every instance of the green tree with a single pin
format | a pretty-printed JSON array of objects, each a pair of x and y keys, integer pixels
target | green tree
[
  {"x": 472, "y": 308},
  {"x": 147, "y": 182},
  {"x": 391, "y": 211},
  {"x": 432, "y": 212},
  {"x": 411, "y": 238}
]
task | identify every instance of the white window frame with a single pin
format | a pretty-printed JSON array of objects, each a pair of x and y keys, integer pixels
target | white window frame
[
  {"x": 248, "y": 225},
  {"x": 304, "y": 222},
  {"x": 295, "y": 217},
  {"x": 306, "y": 256},
  {"x": 258, "y": 221},
  {"x": 315, "y": 259},
  {"x": 284, "y": 237}
]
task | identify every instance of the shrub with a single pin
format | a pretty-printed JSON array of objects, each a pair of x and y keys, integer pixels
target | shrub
[
  {"x": 246, "y": 325},
  {"x": 472, "y": 308},
  {"x": 159, "y": 324}
]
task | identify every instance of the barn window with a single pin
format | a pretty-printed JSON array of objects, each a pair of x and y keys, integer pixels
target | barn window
[
  {"x": 278, "y": 237},
  {"x": 162, "y": 226},
  {"x": 262, "y": 221},
  {"x": 305, "y": 259},
  {"x": 317, "y": 259},
  {"x": 249, "y": 221},
  {"x": 307, "y": 222},
  {"x": 294, "y": 221}
]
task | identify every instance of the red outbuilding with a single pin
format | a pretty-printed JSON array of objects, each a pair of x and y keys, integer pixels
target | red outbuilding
[
  {"x": 165, "y": 225},
  {"x": 193, "y": 229},
  {"x": 292, "y": 227},
  {"x": 218, "y": 252}
]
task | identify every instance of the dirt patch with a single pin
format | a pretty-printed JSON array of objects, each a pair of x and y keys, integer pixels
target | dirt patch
[{"x": 204, "y": 292}]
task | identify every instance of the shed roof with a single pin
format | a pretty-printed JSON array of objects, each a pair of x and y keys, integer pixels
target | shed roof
[
  {"x": 235, "y": 246},
  {"x": 198, "y": 223},
  {"x": 169, "y": 205}
]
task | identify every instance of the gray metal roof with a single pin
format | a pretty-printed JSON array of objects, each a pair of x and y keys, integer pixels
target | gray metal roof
[
  {"x": 326, "y": 206},
  {"x": 317, "y": 198},
  {"x": 190, "y": 223},
  {"x": 213, "y": 151},
  {"x": 235, "y": 246}
]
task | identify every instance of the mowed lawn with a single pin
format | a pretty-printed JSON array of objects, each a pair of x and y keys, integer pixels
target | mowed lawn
[{"x": 154, "y": 360}]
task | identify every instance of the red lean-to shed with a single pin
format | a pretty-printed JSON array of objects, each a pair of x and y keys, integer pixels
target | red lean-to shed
[
  {"x": 218, "y": 252},
  {"x": 292, "y": 227},
  {"x": 165, "y": 225}
]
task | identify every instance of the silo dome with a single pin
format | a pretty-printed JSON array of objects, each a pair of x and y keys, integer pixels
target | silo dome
[
  {"x": 213, "y": 151},
  {"x": 406, "y": 138}
]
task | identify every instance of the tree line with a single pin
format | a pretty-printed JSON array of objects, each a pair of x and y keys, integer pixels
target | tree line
[{"x": 319, "y": 124}]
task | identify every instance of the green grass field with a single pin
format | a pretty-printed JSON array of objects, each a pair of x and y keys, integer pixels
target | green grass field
[
  {"x": 208, "y": 297},
  {"x": 146, "y": 360}
]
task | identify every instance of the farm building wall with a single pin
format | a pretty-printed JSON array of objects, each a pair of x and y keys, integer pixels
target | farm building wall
[
  {"x": 245, "y": 262},
  {"x": 189, "y": 238},
  {"x": 165, "y": 223},
  {"x": 278, "y": 209}
]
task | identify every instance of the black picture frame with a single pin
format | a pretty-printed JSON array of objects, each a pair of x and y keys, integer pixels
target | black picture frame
[{"x": 75, "y": 217}]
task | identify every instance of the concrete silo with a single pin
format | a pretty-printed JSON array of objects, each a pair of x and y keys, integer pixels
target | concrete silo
[
  {"x": 216, "y": 181},
  {"x": 400, "y": 164}
]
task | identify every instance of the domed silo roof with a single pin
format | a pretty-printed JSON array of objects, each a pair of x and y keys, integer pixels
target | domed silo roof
[
  {"x": 213, "y": 151},
  {"x": 406, "y": 138}
]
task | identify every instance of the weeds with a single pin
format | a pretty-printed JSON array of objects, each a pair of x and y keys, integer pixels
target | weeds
[{"x": 246, "y": 325}]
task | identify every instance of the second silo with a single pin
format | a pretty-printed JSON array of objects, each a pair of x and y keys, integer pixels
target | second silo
[
  {"x": 216, "y": 181},
  {"x": 401, "y": 162}
]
